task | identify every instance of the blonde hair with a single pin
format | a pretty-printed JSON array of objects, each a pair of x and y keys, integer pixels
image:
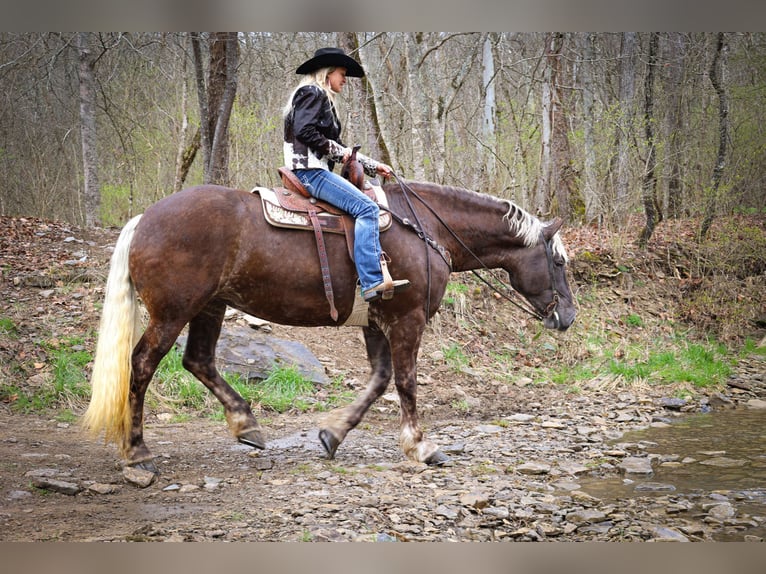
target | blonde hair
[{"x": 317, "y": 78}]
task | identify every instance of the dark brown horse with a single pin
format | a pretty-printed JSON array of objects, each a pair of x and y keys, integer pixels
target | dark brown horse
[{"x": 193, "y": 253}]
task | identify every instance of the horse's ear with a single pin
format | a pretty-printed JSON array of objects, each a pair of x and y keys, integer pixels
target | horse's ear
[{"x": 552, "y": 227}]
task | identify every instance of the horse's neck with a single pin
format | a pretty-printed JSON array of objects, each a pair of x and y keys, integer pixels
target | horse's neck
[{"x": 478, "y": 222}]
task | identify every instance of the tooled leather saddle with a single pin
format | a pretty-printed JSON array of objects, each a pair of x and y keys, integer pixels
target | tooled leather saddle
[{"x": 292, "y": 207}]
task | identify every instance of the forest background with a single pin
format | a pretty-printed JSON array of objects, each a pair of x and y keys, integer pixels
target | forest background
[{"x": 596, "y": 127}]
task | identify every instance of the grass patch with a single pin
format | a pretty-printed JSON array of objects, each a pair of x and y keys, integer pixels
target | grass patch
[
  {"x": 65, "y": 384},
  {"x": 284, "y": 389},
  {"x": 701, "y": 365},
  {"x": 8, "y": 328},
  {"x": 455, "y": 357}
]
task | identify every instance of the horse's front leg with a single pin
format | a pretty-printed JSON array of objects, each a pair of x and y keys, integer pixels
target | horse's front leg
[
  {"x": 339, "y": 422},
  {"x": 411, "y": 439}
]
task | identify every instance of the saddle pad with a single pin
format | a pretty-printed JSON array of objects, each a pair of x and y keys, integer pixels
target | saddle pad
[{"x": 278, "y": 216}]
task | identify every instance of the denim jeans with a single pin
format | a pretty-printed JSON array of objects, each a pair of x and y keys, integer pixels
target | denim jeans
[{"x": 333, "y": 189}]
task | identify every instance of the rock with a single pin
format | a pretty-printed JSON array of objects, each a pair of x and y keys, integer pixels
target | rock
[
  {"x": 673, "y": 404},
  {"x": 558, "y": 425},
  {"x": 724, "y": 462},
  {"x": 534, "y": 468},
  {"x": 54, "y": 485},
  {"x": 719, "y": 401},
  {"x": 664, "y": 534},
  {"x": 520, "y": 418},
  {"x": 476, "y": 499},
  {"x": 42, "y": 473},
  {"x": 654, "y": 487},
  {"x": 448, "y": 512},
  {"x": 138, "y": 476},
  {"x": 489, "y": 429},
  {"x": 756, "y": 404},
  {"x": 721, "y": 512},
  {"x": 263, "y": 463},
  {"x": 573, "y": 468},
  {"x": 636, "y": 465},
  {"x": 18, "y": 495},
  {"x": 100, "y": 488},
  {"x": 586, "y": 516}
]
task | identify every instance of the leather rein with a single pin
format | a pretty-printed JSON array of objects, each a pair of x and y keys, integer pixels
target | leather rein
[{"x": 417, "y": 227}]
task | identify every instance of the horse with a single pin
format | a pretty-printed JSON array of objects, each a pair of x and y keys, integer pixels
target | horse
[{"x": 199, "y": 250}]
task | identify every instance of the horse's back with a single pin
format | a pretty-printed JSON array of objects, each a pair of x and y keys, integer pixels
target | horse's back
[{"x": 190, "y": 237}]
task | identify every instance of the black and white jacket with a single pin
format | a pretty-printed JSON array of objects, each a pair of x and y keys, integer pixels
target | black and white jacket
[{"x": 312, "y": 133}]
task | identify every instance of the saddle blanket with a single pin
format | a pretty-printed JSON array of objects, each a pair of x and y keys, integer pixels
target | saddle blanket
[{"x": 279, "y": 216}]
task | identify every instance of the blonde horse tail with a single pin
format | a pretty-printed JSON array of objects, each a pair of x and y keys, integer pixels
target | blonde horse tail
[{"x": 119, "y": 331}]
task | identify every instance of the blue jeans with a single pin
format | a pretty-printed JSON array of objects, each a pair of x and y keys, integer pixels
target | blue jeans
[{"x": 333, "y": 189}]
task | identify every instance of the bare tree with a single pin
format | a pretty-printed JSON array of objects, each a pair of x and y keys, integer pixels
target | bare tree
[
  {"x": 718, "y": 77},
  {"x": 216, "y": 99},
  {"x": 490, "y": 108},
  {"x": 556, "y": 177},
  {"x": 674, "y": 124},
  {"x": 625, "y": 123},
  {"x": 590, "y": 180},
  {"x": 88, "y": 131},
  {"x": 650, "y": 179}
]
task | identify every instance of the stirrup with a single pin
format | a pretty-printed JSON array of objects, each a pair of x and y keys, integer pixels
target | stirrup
[{"x": 385, "y": 290}]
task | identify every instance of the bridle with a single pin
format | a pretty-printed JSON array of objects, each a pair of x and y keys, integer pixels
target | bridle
[{"x": 551, "y": 311}]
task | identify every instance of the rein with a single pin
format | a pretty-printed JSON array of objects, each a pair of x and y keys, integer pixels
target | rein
[{"x": 550, "y": 310}]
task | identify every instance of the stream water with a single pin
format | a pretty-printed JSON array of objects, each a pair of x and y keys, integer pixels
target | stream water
[{"x": 703, "y": 458}]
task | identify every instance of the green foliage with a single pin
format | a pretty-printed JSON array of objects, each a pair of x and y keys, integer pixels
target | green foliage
[
  {"x": 67, "y": 386},
  {"x": 283, "y": 389},
  {"x": 701, "y": 365},
  {"x": 455, "y": 357},
  {"x": 8, "y": 328},
  {"x": 115, "y": 204}
]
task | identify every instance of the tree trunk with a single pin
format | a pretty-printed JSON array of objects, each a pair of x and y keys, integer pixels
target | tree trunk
[
  {"x": 674, "y": 126},
  {"x": 649, "y": 180},
  {"x": 488, "y": 167},
  {"x": 627, "y": 95},
  {"x": 418, "y": 105},
  {"x": 216, "y": 100},
  {"x": 377, "y": 112},
  {"x": 718, "y": 77},
  {"x": 590, "y": 179},
  {"x": 556, "y": 176},
  {"x": 186, "y": 153},
  {"x": 88, "y": 129}
]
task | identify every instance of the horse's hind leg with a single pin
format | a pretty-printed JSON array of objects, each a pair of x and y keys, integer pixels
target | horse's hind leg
[
  {"x": 340, "y": 421},
  {"x": 199, "y": 359},
  {"x": 153, "y": 345}
]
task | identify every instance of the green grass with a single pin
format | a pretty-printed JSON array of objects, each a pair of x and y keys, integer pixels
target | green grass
[
  {"x": 8, "y": 328},
  {"x": 701, "y": 365},
  {"x": 284, "y": 389},
  {"x": 65, "y": 386},
  {"x": 454, "y": 291},
  {"x": 455, "y": 357}
]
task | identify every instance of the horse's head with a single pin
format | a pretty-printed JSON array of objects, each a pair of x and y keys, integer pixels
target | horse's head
[{"x": 539, "y": 275}]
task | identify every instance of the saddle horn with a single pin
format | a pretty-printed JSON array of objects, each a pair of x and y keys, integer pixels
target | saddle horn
[{"x": 352, "y": 169}]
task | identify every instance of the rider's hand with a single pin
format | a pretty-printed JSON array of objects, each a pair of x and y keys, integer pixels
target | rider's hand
[{"x": 384, "y": 170}]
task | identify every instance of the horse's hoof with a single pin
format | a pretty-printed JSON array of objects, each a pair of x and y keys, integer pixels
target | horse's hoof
[
  {"x": 252, "y": 438},
  {"x": 329, "y": 442},
  {"x": 438, "y": 459}
]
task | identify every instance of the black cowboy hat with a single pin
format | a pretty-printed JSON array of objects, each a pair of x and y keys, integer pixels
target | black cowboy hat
[{"x": 331, "y": 58}]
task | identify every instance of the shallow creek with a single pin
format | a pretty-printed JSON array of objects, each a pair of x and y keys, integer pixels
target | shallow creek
[{"x": 705, "y": 459}]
